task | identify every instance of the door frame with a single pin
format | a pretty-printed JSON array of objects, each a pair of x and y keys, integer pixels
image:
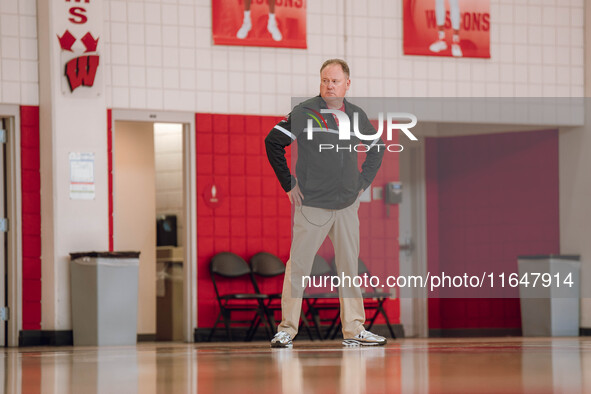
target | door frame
[
  {"x": 413, "y": 240},
  {"x": 189, "y": 202},
  {"x": 14, "y": 265}
]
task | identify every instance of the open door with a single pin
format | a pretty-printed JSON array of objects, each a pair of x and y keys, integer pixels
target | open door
[
  {"x": 182, "y": 146},
  {"x": 149, "y": 216}
]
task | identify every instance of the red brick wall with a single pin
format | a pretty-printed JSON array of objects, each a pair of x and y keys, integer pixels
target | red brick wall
[
  {"x": 252, "y": 216},
  {"x": 31, "y": 217},
  {"x": 490, "y": 198},
  {"x": 254, "y": 213}
]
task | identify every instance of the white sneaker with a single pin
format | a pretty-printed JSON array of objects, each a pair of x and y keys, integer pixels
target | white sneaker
[
  {"x": 244, "y": 29},
  {"x": 365, "y": 338},
  {"x": 456, "y": 50},
  {"x": 281, "y": 339},
  {"x": 438, "y": 46},
  {"x": 274, "y": 30}
]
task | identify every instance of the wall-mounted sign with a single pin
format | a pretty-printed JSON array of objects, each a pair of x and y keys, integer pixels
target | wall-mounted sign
[
  {"x": 263, "y": 23},
  {"x": 80, "y": 63},
  {"x": 81, "y": 176},
  {"x": 212, "y": 195},
  {"x": 456, "y": 28}
]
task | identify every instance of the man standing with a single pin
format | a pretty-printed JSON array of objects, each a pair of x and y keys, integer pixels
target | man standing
[{"x": 325, "y": 193}]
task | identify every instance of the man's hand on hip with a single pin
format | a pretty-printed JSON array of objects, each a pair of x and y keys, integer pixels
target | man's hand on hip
[{"x": 295, "y": 195}]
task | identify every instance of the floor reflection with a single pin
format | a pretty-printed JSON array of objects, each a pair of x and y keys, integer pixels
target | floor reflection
[{"x": 535, "y": 365}]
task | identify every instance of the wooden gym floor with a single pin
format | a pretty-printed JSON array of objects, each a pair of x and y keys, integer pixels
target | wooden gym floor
[{"x": 474, "y": 365}]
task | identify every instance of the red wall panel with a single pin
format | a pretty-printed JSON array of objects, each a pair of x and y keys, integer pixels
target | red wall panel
[
  {"x": 490, "y": 198},
  {"x": 31, "y": 217},
  {"x": 254, "y": 214}
]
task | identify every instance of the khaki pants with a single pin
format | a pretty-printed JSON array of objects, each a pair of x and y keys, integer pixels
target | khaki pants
[{"x": 310, "y": 228}]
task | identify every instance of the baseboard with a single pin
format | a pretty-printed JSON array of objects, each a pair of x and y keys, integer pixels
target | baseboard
[
  {"x": 473, "y": 332},
  {"x": 382, "y": 329},
  {"x": 585, "y": 331},
  {"x": 239, "y": 333},
  {"x": 45, "y": 338},
  {"x": 60, "y": 338}
]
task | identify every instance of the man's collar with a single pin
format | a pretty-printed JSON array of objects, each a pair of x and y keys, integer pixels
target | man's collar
[{"x": 323, "y": 103}]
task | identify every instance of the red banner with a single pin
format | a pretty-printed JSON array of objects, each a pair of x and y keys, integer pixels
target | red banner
[
  {"x": 459, "y": 28},
  {"x": 261, "y": 23}
]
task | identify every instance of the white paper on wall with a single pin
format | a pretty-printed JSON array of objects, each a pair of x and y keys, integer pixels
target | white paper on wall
[{"x": 82, "y": 176}]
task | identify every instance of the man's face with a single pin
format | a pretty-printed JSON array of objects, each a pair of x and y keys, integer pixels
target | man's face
[{"x": 334, "y": 83}]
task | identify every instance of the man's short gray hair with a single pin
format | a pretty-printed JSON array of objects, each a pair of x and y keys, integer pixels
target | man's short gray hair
[{"x": 341, "y": 62}]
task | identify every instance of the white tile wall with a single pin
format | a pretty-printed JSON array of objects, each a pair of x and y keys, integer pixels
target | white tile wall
[
  {"x": 165, "y": 49},
  {"x": 19, "y": 73},
  {"x": 168, "y": 148}
]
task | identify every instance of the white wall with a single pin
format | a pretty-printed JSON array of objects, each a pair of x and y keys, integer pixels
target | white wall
[
  {"x": 168, "y": 148},
  {"x": 18, "y": 50},
  {"x": 575, "y": 210},
  {"x": 575, "y": 189},
  {"x": 68, "y": 123},
  {"x": 160, "y": 56}
]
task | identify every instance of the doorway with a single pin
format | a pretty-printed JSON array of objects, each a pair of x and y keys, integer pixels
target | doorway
[
  {"x": 150, "y": 215},
  {"x": 10, "y": 231},
  {"x": 412, "y": 241}
]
